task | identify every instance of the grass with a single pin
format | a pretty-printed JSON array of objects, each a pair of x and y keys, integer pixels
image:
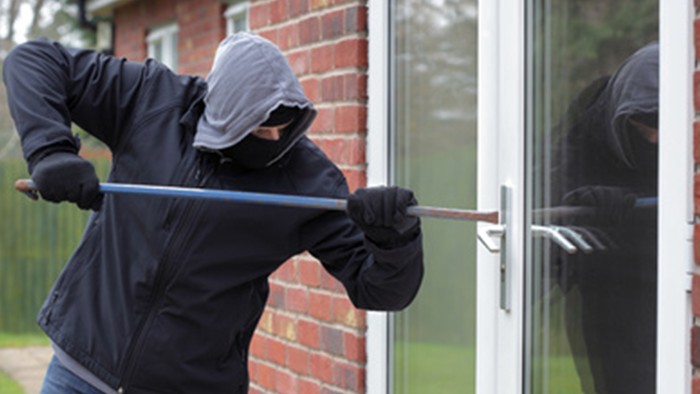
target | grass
[
  {"x": 9, "y": 386},
  {"x": 445, "y": 369},
  {"x": 8, "y": 339}
]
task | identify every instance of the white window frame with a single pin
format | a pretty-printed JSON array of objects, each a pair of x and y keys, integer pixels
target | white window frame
[
  {"x": 501, "y": 28},
  {"x": 675, "y": 267},
  {"x": 166, "y": 36},
  {"x": 236, "y": 10},
  {"x": 377, "y": 337}
]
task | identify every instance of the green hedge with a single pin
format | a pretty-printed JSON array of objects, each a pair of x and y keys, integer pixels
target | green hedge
[{"x": 37, "y": 239}]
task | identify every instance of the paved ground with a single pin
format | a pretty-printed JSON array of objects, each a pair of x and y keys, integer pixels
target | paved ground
[{"x": 26, "y": 365}]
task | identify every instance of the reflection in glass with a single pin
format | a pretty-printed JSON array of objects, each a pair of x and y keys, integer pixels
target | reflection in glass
[
  {"x": 434, "y": 153},
  {"x": 592, "y": 154}
]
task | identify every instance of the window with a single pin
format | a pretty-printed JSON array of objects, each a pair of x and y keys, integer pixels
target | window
[
  {"x": 236, "y": 16},
  {"x": 162, "y": 45}
]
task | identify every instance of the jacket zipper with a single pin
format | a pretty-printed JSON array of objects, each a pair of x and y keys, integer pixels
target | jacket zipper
[{"x": 160, "y": 284}]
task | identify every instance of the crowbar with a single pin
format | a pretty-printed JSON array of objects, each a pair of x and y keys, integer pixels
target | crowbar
[{"x": 28, "y": 187}]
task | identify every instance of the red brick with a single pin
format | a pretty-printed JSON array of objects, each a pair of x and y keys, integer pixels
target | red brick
[
  {"x": 297, "y": 299},
  {"x": 298, "y": 360},
  {"x": 286, "y": 272},
  {"x": 696, "y": 381},
  {"x": 695, "y": 346},
  {"x": 328, "y": 282},
  {"x": 309, "y": 386},
  {"x": 356, "y": 151},
  {"x": 322, "y": 59},
  {"x": 319, "y": 305},
  {"x": 696, "y": 295},
  {"x": 258, "y": 346},
  {"x": 351, "y": 53},
  {"x": 348, "y": 376},
  {"x": 696, "y": 90},
  {"x": 696, "y": 142},
  {"x": 333, "y": 24},
  {"x": 309, "y": 272},
  {"x": 355, "y": 178},
  {"x": 265, "y": 376},
  {"x": 276, "y": 298},
  {"x": 298, "y": 7},
  {"x": 279, "y": 11},
  {"x": 270, "y": 34},
  {"x": 316, "y": 4},
  {"x": 345, "y": 313},
  {"x": 299, "y": 61},
  {"x": 332, "y": 341},
  {"x": 696, "y": 243},
  {"x": 350, "y": 119},
  {"x": 356, "y": 19},
  {"x": 333, "y": 88},
  {"x": 309, "y": 30},
  {"x": 276, "y": 351},
  {"x": 312, "y": 89},
  {"x": 356, "y": 86},
  {"x": 325, "y": 120},
  {"x": 259, "y": 15},
  {"x": 321, "y": 367},
  {"x": 308, "y": 333},
  {"x": 355, "y": 347},
  {"x": 288, "y": 36},
  {"x": 283, "y": 326},
  {"x": 696, "y": 36},
  {"x": 286, "y": 383},
  {"x": 333, "y": 148}
]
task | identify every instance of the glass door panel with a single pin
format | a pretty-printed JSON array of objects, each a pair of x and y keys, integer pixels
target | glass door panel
[
  {"x": 434, "y": 93},
  {"x": 591, "y": 176}
]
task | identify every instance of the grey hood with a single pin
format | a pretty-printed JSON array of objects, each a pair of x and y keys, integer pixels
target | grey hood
[
  {"x": 632, "y": 90},
  {"x": 250, "y": 77}
]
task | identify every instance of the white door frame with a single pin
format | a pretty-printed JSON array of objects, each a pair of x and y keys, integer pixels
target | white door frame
[
  {"x": 676, "y": 64},
  {"x": 501, "y": 158},
  {"x": 377, "y": 339}
]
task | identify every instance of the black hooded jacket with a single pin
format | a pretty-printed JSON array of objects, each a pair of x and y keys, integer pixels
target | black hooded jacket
[{"x": 163, "y": 295}]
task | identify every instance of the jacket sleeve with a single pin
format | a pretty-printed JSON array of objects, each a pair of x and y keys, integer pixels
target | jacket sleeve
[
  {"x": 50, "y": 86},
  {"x": 374, "y": 278}
]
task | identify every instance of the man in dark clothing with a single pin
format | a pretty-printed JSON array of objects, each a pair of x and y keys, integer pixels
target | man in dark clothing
[
  {"x": 163, "y": 295},
  {"x": 607, "y": 161}
]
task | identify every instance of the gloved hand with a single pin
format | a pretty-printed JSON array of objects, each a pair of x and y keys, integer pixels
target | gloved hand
[
  {"x": 381, "y": 214},
  {"x": 612, "y": 204},
  {"x": 65, "y": 176}
]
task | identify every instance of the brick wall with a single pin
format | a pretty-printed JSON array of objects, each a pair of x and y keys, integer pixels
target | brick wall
[
  {"x": 310, "y": 338},
  {"x": 201, "y": 27}
]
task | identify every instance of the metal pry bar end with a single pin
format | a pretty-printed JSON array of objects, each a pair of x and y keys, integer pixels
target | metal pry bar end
[{"x": 26, "y": 186}]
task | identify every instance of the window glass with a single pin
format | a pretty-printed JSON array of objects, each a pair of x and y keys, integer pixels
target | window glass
[
  {"x": 237, "y": 17},
  {"x": 434, "y": 78},
  {"x": 592, "y": 136}
]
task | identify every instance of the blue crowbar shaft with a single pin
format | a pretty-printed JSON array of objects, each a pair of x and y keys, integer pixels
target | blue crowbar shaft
[{"x": 28, "y": 187}]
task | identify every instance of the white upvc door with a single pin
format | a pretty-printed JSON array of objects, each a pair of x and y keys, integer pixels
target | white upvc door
[{"x": 513, "y": 354}]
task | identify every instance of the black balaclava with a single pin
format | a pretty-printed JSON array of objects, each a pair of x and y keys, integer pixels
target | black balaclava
[
  {"x": 256, "y": 153},
  {"x": 251, "y": 84}
]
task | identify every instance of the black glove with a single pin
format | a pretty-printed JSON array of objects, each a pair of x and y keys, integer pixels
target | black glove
[
  {"x": 612, "y": 204},
  {"x": 65, "y": 176},
  {"x": 381, "y": 214}
]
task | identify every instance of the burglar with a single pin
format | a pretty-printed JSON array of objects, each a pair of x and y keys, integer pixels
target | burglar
[
  {"x": 608, "y": 161},
  {"x": 163, "y": 295}
]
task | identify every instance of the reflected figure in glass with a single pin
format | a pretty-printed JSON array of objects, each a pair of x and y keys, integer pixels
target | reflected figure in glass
[{"x": 605, "y": 174}]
